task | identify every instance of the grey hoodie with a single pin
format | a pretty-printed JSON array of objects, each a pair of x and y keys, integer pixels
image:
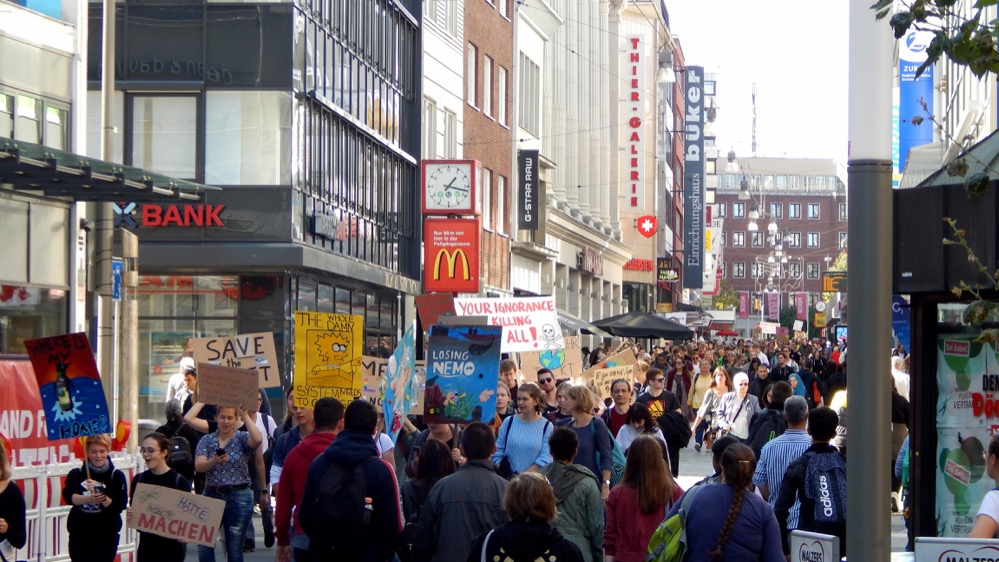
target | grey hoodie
[{"x": 580, "y": 507}]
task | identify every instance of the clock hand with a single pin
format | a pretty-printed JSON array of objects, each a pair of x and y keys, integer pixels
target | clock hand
[{"x": 450, "y": 184}]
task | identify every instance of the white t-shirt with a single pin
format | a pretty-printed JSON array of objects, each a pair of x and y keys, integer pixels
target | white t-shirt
[
  {"x": 384, "y": 443},
  {"x": 990, "y": 507},
  {"x": 263, "y": 430}
]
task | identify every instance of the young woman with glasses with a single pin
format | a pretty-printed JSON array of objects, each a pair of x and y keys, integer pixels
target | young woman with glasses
[{"x": 154, "y": 548}]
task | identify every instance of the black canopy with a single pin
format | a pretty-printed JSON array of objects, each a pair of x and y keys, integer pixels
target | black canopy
[{"x": 637, "y": 324}]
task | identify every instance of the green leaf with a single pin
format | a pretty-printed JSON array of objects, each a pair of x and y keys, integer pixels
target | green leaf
[
  {"x": 985, "y": 3},
  {"x": 900, "y": 22},
  {"x": 957, "y": 167}
]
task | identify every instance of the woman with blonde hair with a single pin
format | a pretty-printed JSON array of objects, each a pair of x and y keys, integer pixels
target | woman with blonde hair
[
  {"x": 596, "y": 444},
  {"x": 98, "y": 493},
  {"x": 706, "y": 423},
  {"x": 13, "y": 528},
  {"x": 529, "y": 502},
  {"x": 522, "y": 440},
  {"x": 637, "y": 506}
]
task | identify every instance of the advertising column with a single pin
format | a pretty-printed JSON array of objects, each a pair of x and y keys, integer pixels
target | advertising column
[{"x": 693, "y": 180}]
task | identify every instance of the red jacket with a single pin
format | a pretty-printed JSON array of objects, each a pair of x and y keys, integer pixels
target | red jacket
[
  {"x": 291, "y": 487},
  {"x": 628, "y": 530}
]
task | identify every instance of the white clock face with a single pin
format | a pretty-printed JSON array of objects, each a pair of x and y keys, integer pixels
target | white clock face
[{"x": 449, "y": 186}]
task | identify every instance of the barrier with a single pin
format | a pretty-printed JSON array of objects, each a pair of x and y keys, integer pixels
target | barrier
[{"x": 48, "y": 539}]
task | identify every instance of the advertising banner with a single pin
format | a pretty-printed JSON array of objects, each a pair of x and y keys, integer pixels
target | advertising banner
[
  {"x": 462, "y": 374},
  {"x": 163, "y": 351},
  {"x": 635, "y": 53},
  {"x": 451, "y": 255},
  {"x": 693, "y": 179},
  {"x": 175, "y": 514},
  {"x": 528, "y": 166},
  {"x": 900, "y": 320},
  {"x": 563, "y": 363},
  {"x": 430, "y": 307},
  {"x": 328, "y": 349},
  {"x": 243, "y": 351},
  {"x": 227, "y": 386},
  {"x": 401, "y": 384},
  {"x": 22, "y": 418},
  {"x": 913, "y": 92},
  {"x": 529, "y": 323},
  {"x": 743, "y": 304},
  {"x": 801, "y": 306},
  {"x": 773, "y": 306},
  {"x": 70, "y": 386}
]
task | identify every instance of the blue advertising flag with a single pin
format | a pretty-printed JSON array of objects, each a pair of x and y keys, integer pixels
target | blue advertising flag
[
  {"x": 462, "y": 374},
  {"x": 913, "y": 92},
  {"x": 900, "y": 320}
]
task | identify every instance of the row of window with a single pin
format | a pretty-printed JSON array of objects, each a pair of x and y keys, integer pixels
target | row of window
[
  {"x": 760, "y": 270},
  {"x": 480, "y": 85},
  {"x": 780, "y": 181},
  {"x": 440, "y": 131},
  {"x": 443, "y": 13},
  {"x": 813, "y": 210},
  {"x": 493, "y": 203},
  {"x": 29, "y": 119},
  {"x": 758, "y": 239}
]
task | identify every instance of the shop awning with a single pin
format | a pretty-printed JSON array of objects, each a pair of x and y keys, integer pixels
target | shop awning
[
  {"x": 570, "y": 322},
  {"x": 35, "y": 168}
]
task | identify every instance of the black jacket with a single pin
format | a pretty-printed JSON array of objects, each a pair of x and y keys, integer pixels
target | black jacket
[
  {"x": 94, "y": 518},
  {"x": 765, "y": 426},
  {"x": 525, "y": 542},
  {"x": 793, "y": 487}
]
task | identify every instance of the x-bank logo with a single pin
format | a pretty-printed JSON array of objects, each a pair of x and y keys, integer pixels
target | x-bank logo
[
  {"x": 123, "y": 214},
  {"x": 130, "y": 215}
]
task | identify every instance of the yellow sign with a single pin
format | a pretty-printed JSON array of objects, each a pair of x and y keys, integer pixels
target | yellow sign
[
  {"x": 820, "y": 320},
  {"x": 664, "y": 307},
  {"x": 328, "y": 350},
  {"x": 451, "y": 259}
]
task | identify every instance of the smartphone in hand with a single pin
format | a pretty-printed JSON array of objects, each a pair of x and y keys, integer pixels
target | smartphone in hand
[
  {"x": 219, "y": 452},
  {"x": 98, "y": 489}
]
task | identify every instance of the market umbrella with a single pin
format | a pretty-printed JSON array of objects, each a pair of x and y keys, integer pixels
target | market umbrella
[
  {"x": 726, "y": 332},
  {"x": 637, "y": 324}
]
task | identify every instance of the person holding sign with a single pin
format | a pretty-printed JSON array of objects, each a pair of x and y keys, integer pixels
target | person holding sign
[
  {"x": 98, "y": 495},
  {"x": 153, "y": 547},
  {"x": 223, "y": 456}
]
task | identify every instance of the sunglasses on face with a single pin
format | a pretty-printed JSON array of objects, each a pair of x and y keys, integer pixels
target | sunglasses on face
[
  {"x": 660, "y": 379},
  {"x": 545, "y": 380}
]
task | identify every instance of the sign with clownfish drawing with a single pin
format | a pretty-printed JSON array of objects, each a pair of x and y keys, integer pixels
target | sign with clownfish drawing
[{"x": 462, "y": 374}]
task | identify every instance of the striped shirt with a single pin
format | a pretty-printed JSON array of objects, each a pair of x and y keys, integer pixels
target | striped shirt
[{"x": 775, "y": 457}]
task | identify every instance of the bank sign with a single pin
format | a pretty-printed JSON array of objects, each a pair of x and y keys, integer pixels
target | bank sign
[
  {"x": 693, "y": 179},
  {"x": 451, "y": 255},
  {"x": 131, "y": 215}
]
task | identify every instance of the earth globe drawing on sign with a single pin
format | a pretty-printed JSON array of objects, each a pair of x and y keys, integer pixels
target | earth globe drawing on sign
[{"x": 552, "y": 359}]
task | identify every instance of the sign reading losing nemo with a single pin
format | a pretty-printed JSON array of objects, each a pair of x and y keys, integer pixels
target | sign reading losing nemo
[{"x": 451, "y": 255}]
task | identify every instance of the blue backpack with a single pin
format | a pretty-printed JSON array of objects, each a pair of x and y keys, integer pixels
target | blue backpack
[{"x": 617, "y": 456}]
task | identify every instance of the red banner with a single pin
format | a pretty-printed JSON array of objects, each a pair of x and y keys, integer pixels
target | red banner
[
  {"x": 743, "y": 304},
  {"x": 773, "y": 306},
  {"x": 801, "y": 305},
  {"x": 451, "y": 255},
  {"x": 22, "y": 418}
]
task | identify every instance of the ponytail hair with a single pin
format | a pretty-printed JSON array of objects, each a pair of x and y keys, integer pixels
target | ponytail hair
[{"x": 738, "y": 465}]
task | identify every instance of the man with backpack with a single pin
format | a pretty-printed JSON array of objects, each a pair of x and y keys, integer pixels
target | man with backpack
[
  {"x": 183, "y": 440},
  {"x": 818, "y": 481},
  {"x": 350, "y": 507},
  {"x": 769, "y": 423}
]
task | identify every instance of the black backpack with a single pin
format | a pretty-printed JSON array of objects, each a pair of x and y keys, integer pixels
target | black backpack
[
  {"x": 676, "y": 428},
  {"x": 337, "y": 523},
  {"x": 179, "y": 456},
  {"x": 765, "y": 426}
]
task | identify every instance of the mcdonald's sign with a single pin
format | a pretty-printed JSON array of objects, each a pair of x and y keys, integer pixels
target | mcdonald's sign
[{"x": 451, "y": 255}]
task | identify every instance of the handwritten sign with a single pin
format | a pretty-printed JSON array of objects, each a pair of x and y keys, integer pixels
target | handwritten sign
[
  {"x": 529, "y": 323},
  {"x": 175, "y": 514},
  {"x": 431, "y": 306},
  {"x": 563, "y": 363},
  {"x": 70, "y": 386},
  {"x": 601, "y": 379},
  {"x": 462, "y": 374},
  {"x": 328, "y": 349},
  {"x": 620, "y": 359},
  {"x": 227, "y": 386},
  {"x": 372, "y": 373},
  {"x": 244, "y": 351}
]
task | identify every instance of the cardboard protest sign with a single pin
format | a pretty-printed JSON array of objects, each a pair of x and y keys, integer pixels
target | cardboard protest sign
[
  {"x": 620, "y": 359},
  {"x": 601, "y": 379},
  {"x": 432, "y": 306},
  {"x": 227, "y": 386},
  {"x": 22, "y": 418},
  {"x": 564, "y": 363},
  {"x": 70, "y": 386},
  {"x": 328, "y": 349},
  {"x": 529, "y": 323},
  {"x": 372, "y": 373},
  {"x": 245, "y": 351},
  {"x": 400, "y": 384},
  {"x": 175, "y": 514},
  {"x": 462, "y": 374}
]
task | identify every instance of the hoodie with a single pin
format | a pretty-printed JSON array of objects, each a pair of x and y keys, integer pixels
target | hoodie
[
  {"x": 349, "y": 448},
  {"x": 291, "y": 490},
  {"x": 525, "y": 542},
  {"x": 580, "y": 507},
  {"x": 95, "y": 519}
]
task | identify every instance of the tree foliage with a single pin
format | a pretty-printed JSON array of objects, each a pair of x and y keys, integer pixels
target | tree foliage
[{"x": 727, "y": 298}]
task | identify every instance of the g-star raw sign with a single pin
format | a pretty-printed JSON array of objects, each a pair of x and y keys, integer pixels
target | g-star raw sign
[
  {"x": 527, "y": 167},
  {"x": 693, "y": 180},
  {"x": 635, "y": 129}
]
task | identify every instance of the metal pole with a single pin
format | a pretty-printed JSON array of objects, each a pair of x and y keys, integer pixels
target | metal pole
[
  {"x": 868, "y": 533},
  {"x": 104, "y": 227}
]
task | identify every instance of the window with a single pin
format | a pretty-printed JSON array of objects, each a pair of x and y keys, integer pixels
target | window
[
  {"x": 813, "y": 211},
  {"x": 6, "y": 116},
  {"x": 430, "y": 9},
  {"x": 724, "y": 270},
  {"x": 794, "y": 210},
  {"x": 56, "y": 134},
  {"x": 164, "y": 135},
  {"x": 738, "y": 210},
  {"x": 451, "y": 17},
  {"x": 813, "y": 239},
  {"x": 720, "y": 208},
  {"x": 501, "y": 199},
  {"x": 501, "y": 95},
  {"x": 471, "y": 74},
  {"x": 724, "y": 239},
  {"x": 486, "y": 191},
  {"x": 794, "y": 239},
  {"x": 530, "y": 95},
  {"x": 813, "y": 270},
  {"x": 794, "y": 182},
  {"x": 781, "y": 182},
  {"x": 795, "y": 270},
  {"x": 28, "y": 123},
  {"x": 842, "y": 211},
  {"x": 757, "y": 239},
  {"x": 738, "y": 270},
  {"x": 757, "y": 270},
  {"x": 503, "y": 7},
  {"x": 487, "y": 85},
  {"x": 730, "y": 182},
  {"x": 739, "y": 239},
  {"x": 777, "y": 210},
  {"x": 842, "y": 240},
  {"x": 248, "y": 138},
  {"x": 450, "y": 134},
  {"x": 429, "y": 147}
]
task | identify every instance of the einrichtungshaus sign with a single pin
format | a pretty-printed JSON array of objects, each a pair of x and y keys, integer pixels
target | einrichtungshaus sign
[{"x": 693, "y": 180}]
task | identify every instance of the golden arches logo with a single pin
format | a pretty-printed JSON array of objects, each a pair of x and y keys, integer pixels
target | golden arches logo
[{"x": 451, "y": 259}]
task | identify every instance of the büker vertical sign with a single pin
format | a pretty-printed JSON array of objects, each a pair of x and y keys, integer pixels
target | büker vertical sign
[{"x": 693, "y": 179}]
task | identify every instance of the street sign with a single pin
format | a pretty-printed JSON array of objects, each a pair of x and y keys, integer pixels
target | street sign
[
  {"x": 117, "y": 269},
  {"x": 834, "y": 282}
]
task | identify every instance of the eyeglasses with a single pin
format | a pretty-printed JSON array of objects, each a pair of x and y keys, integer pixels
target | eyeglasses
[
  {"x": 660, "y": 379},
  {"x": 148, "y": 450},
  {"x": 545, "y": 380}
]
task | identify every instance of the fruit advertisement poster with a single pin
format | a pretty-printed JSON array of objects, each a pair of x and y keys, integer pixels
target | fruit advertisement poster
[
  {"x": 967, "y": 415},
  {"x": 462, "y": 374}
]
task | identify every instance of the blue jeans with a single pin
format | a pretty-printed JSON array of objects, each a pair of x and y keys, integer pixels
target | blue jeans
[
  {"x": 235, "y": 518},
  {"x": 699, "y": 432}
]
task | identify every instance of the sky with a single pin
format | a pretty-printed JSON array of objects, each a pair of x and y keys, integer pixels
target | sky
[{"x": 795, "y": 51}]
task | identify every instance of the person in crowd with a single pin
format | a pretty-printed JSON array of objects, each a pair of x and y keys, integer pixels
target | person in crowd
[
  {"x": 97, "y": 491},
  {"x": 817, "y": 481},
  {"x": 640, "y": 423},
  {"x": 577, "y": 496},
  {"x": 153, "y": 547},
  {"x": 899, "y": 431},
  {"x": 177, "y": 387},
  {"x": 617, "y": 415},
  {"x": 447, "y": 434},
  {"x": 759, "y": 384},
  {"x": 468, "y": 503},
  {"x": 778, "y": 454},
  {"x": 225, "y": 455},
  {"x": 659, "y": 401},
  {"x": 898, "y": 372},
  {"x": 293, "y": 543},
  {"x": 737, "y": 408},
  {"x": 504, "y": 408},
  {"x": 838, "y": 405},
  {"x": 725, "y": 521},
  {"x": 797, "y": 385},
  {"x": 175, "y": 426},
  {"x": 432, "y": 462},
  {"x": 782, "y": 370},
  {"x": 678, "y": 380},
  {"x": 769, "y": 422},
  {"x": 548, "y": 386},
  {"x": 13, "y": 525},
  {"x": 530, "y": 504},
  {"x": 508, "y": 378},
  {"x": 902, "y": 473},
  {"x": 265, "y": 424},
  {"x": 808, "y": 380},
  {"x": 383, "y": 443},
  {"x": 560, "y": 393},
  {"x": 636, "y": 507},
  {"x": 353, "y": 446},
  {"x": 596, "y": 445},
  {"x": 699, "y": 388},
  {"x": 706, "y": 423},
  {"x": 289, "y": 420},
  {"x": 717, "y": 449},
  {"x": 522, "y": 442},
  {"x": 303, "y": 426}
]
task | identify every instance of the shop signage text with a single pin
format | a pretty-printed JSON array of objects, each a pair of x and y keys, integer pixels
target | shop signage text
[
  {"x": 693, "y": 184},
  {"x": 527, "y": 167},
  {"x": 592, "y": 262},
  {"x": 638, "y": 264},
  {"x": 182, "y": 215},
  {"x": 635, "y": 144}
]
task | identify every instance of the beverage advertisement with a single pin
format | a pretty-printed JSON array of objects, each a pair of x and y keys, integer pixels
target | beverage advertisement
[{"x": 967, "y": 414}]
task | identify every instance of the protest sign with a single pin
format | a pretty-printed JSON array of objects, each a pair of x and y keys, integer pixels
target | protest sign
[
  {"x": 432, "y": 306},
  {"x": 372, "y": 373},
  {"x": 244, "y": 351},
  {"x": 462, "y": 374},
  {"x": 400, "y": 384},
  {"x": 175, "y": 514},
  {"x": 328, "y": 349},
  {"x": 22, "y": 418},
  {"x": 563, "y": 363},
  {"x": 620, "y": 359},
  {"x": 529, "y": 323},
  {"x": 70, "y": 386},
  {"x": 420, "y": 384},
  {"x": 227, "y": 386},
  {"x": 601, "y": 379}
]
